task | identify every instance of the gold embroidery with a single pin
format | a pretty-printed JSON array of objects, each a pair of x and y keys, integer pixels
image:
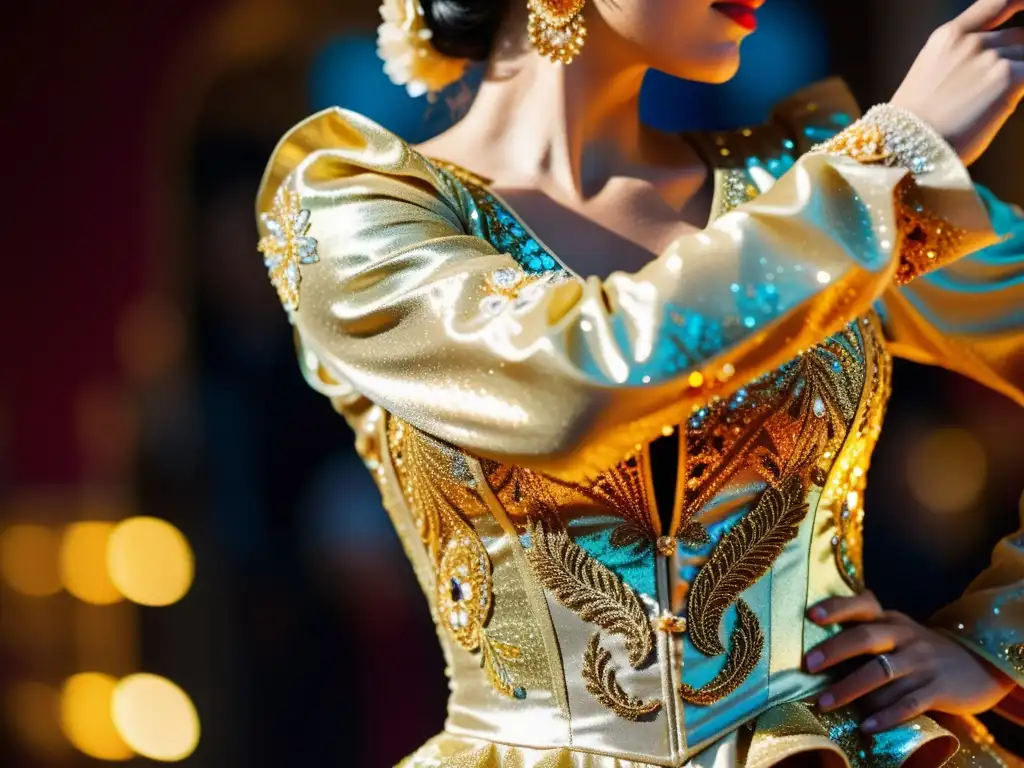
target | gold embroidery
[
  {"x": 863, "y": 142},
  {"x": 927, "y": 241},
  {"x": 599, "y": 675},
  {"x": 589, "y": 589},
  {"x": 287, "y": 245},
  {"x": 695, "y": 536},
  {"x": 624, "y": 489},
  {"x": 843, "y": 495},
  {"x": 630, "y": 535},
  {"x": 464, "y": 589},
  {"x": 437, "y": 482},
  {"x": 495, "y": 657},
  {"x": 743, "y": 556},
  {"x": 524, "y": 493},
  {"x": 747, "y": 643},
  {"x": 812, "y": 418}
]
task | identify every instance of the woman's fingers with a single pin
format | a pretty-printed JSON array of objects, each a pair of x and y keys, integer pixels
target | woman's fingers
[
  {"x": 871, "y": 676},
  {"x": 861, "y": 640},
  {"x": 910, "y": 706},
  {"x": 987, "y": 14},
  {"x": 887, "y": 695},
  {"x": 843, "y": 610},
  {"x": 1003, "y": 38}
]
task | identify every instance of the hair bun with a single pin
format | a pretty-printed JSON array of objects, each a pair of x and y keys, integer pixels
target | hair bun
[{"x": 464, "y": 29}]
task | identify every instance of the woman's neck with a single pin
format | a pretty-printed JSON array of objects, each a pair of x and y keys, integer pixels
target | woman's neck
[{"x": 566, "y": 129}]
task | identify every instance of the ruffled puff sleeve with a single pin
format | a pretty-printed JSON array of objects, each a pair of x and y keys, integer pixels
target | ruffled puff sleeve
[{"x": 380, "y": 260}]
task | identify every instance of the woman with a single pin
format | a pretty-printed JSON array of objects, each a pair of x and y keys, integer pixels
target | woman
[{"x": 625, "y": 447}]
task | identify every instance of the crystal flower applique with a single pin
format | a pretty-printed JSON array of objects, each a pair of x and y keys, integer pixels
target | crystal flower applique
[{"x": 287, "y": 245}]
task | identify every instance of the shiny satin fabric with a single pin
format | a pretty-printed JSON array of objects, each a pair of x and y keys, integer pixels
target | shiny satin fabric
[
  {"x": 788, "y": 732},
  {"x": 593, "y": 367},
  {"x": 536, "y": 402}
]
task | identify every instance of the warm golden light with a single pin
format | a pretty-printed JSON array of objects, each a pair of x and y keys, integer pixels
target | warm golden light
[
  {"x": 33, "y": 710},
  {"x": 29, "y": 556},
  {"x": 83, "y": 563},
  {"x": 86, "y": 707},
  {"x": 156, "y": 718},
  {"x": 947, "y": 469},
  {"x": 150, "y": 561}
]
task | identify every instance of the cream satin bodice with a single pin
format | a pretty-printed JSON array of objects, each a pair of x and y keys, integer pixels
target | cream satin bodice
[{"x": 509, "y": 411}]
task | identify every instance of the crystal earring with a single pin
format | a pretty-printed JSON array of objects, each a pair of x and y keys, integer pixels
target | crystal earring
[{"x": 557, "y": 28}]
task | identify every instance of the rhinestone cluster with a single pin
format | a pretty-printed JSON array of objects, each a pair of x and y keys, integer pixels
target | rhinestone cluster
[
  {"x": 287, "y": 245},
  {"x": 888, "y": 135},
  {"x": 463, "y": 591}
]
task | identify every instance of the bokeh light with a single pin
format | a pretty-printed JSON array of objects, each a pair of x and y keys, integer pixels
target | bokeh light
[
  {"x": 156, "y": 718},
  {"x": 150, "y": 561},
  {"x": 151, "y": 339},
  {"x": 33, "y": 710},
  {"x": 83, "y": 563},
  {"x": 29, "y": 559},
  {"x": 947, "y": 470},
  {"x": 86, "y": 717}
]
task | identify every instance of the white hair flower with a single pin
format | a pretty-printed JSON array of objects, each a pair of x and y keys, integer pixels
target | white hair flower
[{"x": 403, "y": 43}]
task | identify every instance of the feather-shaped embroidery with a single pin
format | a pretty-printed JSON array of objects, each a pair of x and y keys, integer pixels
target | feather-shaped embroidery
[
  {"x": 599, "y": 675},
  {"x": 743, "y": 556},
  {"x": 495, "y": 657},
  {"x": 623, "y": 488},
  {"x": 589, "y": 589},
  {"x": 747, "y": 645},
  {"x": 630, "y": 535}
]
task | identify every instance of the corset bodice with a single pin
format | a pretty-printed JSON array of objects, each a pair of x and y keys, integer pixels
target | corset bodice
[{"x": 635, "y": 631}]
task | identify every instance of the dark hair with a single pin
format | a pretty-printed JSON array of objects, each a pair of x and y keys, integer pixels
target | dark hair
[{"x": 465, "y": 29}]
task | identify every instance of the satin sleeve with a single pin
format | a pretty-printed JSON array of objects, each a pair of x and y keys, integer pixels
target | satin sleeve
[
  {"x": 989, "y": 618},
  {"x": 969, "y": 316},
  {"x": 567, "y": 376}
]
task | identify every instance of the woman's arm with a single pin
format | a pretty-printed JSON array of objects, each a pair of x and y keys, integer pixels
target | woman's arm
[{"x": 569, "y": 376}]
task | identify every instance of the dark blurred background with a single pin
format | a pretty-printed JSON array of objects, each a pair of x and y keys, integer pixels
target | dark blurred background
[{"x": 193, "y": 565}]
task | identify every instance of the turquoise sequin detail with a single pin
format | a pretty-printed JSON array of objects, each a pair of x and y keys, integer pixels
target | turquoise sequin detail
[
  {"x": 634, "y": 565},
  {"x": 494, "y": 222}
]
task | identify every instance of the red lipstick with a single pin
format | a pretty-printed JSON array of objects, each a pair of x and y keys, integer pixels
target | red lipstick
[{"x": 741, "y": 12}]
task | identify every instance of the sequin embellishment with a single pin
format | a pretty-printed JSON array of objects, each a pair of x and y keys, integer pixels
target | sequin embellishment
[
  {"x": 287, "y": 246},
  {"x": 493, "y": 221},
  {"x": 887, "y": 135}
]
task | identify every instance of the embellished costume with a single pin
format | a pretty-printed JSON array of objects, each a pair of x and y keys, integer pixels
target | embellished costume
[{"x": 510, "y": 409}]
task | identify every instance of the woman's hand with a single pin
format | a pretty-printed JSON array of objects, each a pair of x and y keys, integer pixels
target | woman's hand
[
  {"x": 968, "y": 79},
  {"x": 922, "y": 670}
]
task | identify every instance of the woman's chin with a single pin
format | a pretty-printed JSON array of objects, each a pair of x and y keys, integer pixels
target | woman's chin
[{"x": 714, "y": 70}]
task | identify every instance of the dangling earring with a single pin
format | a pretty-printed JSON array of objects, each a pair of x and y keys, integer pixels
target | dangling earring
[{"x": 557, "y": 28}]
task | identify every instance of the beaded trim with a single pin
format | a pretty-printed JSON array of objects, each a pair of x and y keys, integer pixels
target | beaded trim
[{"x": 891, "y": 136}]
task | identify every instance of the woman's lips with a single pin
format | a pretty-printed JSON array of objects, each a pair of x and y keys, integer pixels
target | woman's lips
[{"x": 740, "y": 12}]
